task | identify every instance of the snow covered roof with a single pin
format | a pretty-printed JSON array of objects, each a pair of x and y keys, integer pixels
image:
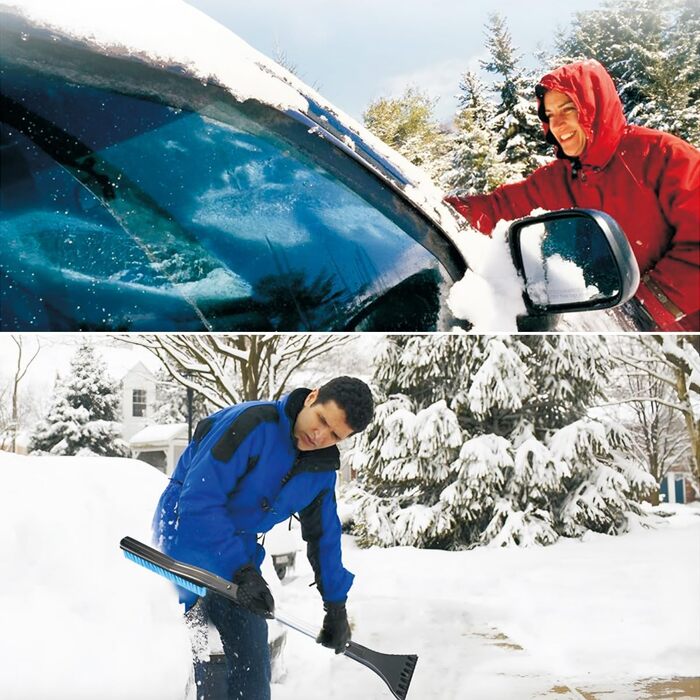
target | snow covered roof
[
  {"x": 138, "y": 370},
  {"x": 159, "y": 434}
]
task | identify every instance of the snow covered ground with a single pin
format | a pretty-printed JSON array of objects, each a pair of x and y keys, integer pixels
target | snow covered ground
[
  {"x": 594, "y": 615},
  {"x": 601, "y": 616}
]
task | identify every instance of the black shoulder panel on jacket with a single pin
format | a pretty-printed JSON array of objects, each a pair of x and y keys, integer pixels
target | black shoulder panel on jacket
[
  {"x": 203, "y": 427},
  {"x": 311, "y": 531},
  {"x": 242, "y": 425}
]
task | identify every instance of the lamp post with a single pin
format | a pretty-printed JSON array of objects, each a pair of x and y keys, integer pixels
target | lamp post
[
  {"x": 190, "y": 399},
  {"x": 189, "y": 413}
]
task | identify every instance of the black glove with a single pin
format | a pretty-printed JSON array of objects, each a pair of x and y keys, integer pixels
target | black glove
[
  {"x": 253, "y": 593},
  {"x": 335, "y": 633}
]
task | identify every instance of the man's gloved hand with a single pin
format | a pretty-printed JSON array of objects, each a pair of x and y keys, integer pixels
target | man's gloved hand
[
  {"x": 335, "y": 633},
  {"x": 253, "y": 593}
]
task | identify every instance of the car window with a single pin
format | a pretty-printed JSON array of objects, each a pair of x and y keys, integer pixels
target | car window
[
  {"x": 54, "y": 228},
  {"x": 231, "y": 215}
]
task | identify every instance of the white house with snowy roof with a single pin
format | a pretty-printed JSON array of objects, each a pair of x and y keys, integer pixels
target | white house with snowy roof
[
  {"x": 159, "y": 445},
  {"x": 138, "y": 399}
]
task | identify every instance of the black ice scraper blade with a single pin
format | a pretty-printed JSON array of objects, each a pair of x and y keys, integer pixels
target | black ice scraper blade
[{"x": 396, "y": 670}]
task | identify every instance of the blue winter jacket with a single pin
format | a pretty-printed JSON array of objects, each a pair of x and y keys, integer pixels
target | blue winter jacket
[{"x": 241, "y": 475}]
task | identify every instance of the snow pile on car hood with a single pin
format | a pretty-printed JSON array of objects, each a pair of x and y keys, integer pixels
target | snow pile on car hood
[{"x": 172, "y": 33}]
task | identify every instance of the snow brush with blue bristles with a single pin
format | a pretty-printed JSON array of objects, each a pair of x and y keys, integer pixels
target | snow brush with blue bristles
[
  {"x": 396, "y": 670},
  {"x": 193, "y": 578}
]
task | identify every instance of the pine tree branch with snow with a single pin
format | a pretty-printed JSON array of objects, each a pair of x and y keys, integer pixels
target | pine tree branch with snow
[{"x": 490, "y": 441}]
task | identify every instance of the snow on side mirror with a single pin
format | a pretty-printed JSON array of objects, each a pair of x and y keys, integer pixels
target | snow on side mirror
[{"x": 573, "y": 260}]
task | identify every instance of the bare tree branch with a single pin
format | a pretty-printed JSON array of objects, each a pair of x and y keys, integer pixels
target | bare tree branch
[
  {"x": 228, "y": 369},
  {"x": 671, "y": 362},
  {"x": 638, "y": 399},
  {"x": 18, "y": 376},
  {"x": 637, "y": 364}
]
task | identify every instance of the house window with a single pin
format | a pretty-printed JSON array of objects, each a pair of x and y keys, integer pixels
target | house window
[{"x": 138, "y": 403}]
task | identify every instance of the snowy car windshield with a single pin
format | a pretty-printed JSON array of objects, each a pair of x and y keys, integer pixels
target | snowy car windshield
[{"x": 173, "y": 206}]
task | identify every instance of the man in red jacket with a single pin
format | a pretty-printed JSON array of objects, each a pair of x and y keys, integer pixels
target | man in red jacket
[{"x": 649, "y": 181}]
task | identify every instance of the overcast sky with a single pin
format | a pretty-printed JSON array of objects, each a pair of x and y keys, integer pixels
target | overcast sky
[
  {"x": 354, "y": 52},
  {"x": 57, "y": 349}
]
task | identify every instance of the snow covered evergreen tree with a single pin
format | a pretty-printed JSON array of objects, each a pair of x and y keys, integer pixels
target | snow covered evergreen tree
[
  {"x": 515, "y": 120},
  {"x": 652, "y": 50},
  {"x": 476, "y": 165},
  {"x": 84, "y": 412},
  {"x": 407, "y": 123},
  {"x": 488, "y": 440}
]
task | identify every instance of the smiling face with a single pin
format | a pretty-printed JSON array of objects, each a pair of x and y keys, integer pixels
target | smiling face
[
  {"x": 563, "y": 123},
  {"x": 320, "y": 425}
]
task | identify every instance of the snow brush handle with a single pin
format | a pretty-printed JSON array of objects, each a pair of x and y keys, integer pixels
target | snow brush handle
[
  {"x": 193, "y": 578},
  {"x": 295, "y": 624},
  {"x": 396, "y": 670}
]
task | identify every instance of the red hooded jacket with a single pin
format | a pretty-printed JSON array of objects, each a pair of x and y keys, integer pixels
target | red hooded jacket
[{"x": 649, "y": 181}]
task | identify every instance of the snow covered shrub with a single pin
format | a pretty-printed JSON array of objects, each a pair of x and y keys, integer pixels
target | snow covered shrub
[
  {"x": 83, "y": 413},
  {"x": 490, "y": 441}
]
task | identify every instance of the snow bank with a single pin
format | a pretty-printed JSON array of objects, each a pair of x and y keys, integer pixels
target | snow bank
[{"x": 79, "y": 620}]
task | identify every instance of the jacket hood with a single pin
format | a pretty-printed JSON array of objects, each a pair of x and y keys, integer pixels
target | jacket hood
[{"x": 599, "y": 107}]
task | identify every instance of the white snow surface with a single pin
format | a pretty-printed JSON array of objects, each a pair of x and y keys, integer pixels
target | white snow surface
[
  {"x": 168, "y": 32},
  {"x": 172, "y": 33},
  {"x": 80, "y": 621},
  {"x": 159, "y": 433}
]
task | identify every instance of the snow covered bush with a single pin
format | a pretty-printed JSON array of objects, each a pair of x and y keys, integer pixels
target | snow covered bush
[
  {"x": 488, "y": 440},
  {"x": 82, "y": 418}
]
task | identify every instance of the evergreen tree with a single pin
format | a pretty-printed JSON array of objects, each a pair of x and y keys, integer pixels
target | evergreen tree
[
  {"x": 488, "y": 440},
  {"x": 652, "y": 50},
  {"x": 84, "y": 413},
  {"x": 476, "y": 165},
  {"x": 407, "y": 123},
  {"x": 515, "y": 120}
]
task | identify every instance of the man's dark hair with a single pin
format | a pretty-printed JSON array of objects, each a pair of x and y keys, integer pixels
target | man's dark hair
[{"x": 353, "y": 396}]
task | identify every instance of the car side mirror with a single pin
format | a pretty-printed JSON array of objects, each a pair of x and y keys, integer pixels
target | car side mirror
[{"x": 573, "y": 260}]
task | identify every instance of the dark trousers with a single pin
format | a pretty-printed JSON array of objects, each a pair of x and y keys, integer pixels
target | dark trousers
[{"x": 244, "y": 637}]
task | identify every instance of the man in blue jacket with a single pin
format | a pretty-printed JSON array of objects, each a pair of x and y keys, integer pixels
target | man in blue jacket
[{"x": 249, "y": 467}]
